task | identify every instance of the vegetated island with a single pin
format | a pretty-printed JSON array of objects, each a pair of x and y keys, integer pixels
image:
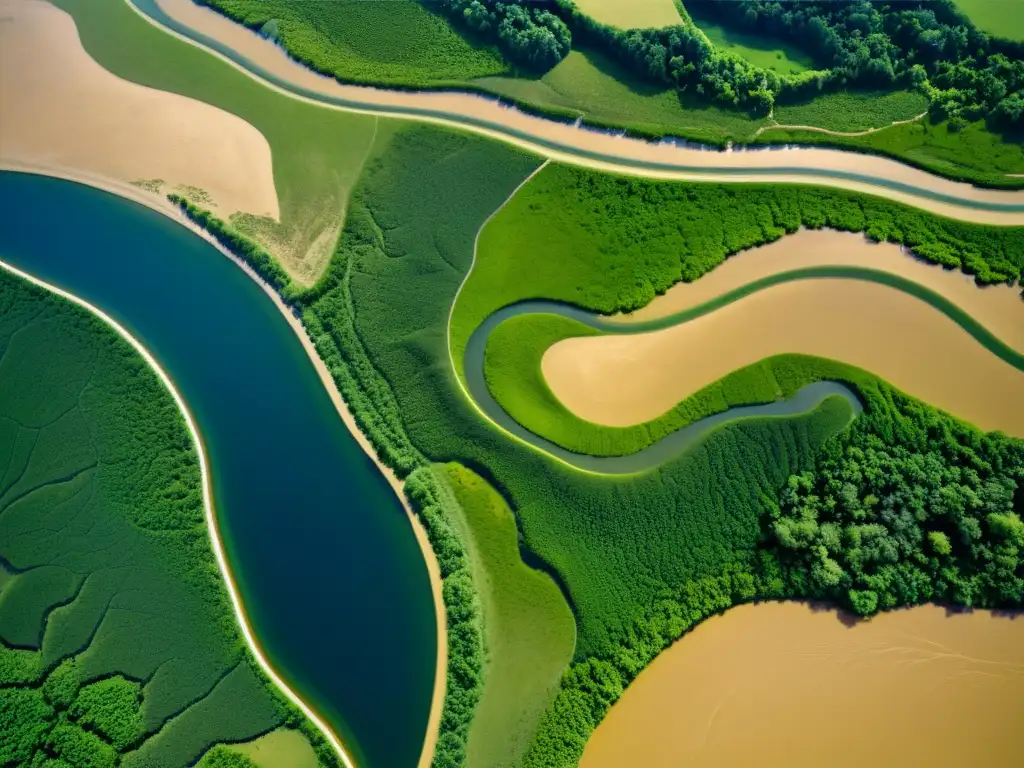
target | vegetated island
[{"x": 118, "y": 644}]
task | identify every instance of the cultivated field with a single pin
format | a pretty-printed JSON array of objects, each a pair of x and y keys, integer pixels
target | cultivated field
[{"x": 632, "y": 14}]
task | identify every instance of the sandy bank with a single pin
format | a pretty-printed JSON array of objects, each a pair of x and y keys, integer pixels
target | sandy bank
[
  {"x": 577, "y": 146},
  {"x": 779, "y": 684},
  {"x": 622, "y": 380},
  {"x": 61, "y": 109},
  {"x": 999, "y": 308}
]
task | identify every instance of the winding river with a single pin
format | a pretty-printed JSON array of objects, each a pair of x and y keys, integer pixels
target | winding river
[
  {"x": 327, "y": 564},
  {"x": 580, "y": 145}
]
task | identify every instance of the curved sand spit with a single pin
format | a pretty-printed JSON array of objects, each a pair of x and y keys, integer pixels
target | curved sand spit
[
  {"x": 621, "y": 380},
  {"x": 780, "y": 684},
  {"x": 61, "y": 110},
  {"x": 568, "y": 143}
]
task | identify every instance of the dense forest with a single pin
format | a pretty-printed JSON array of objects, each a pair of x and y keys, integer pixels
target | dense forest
[{"x": 929, "y": 45}]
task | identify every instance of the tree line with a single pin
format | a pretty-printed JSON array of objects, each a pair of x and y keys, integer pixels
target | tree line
[{"x": 930, "y": 45}]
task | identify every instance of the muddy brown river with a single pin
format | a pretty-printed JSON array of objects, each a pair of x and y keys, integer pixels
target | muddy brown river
[{"x": 781, "y": 684}]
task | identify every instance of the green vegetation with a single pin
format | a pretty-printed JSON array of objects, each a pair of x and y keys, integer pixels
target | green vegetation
[
  {"x": 399, "y": 43},
  {"x": 317, "y": 152},
  {"x": 611, "y": 244},
  {"x": 760, "y": 51},
  {"x": 528, "y": 628},
  {"x": 999, "y": 19},
  {"x": 642, "y": 557},
  {"x": 140, "y": 663},
  {"x": 852, "y": 110},
  {"x": 852, "y": 532}
]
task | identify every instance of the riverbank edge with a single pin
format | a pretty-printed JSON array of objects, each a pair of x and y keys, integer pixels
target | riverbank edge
[
  {"x": 917, "y": 196},
  {"x": 981, "y": 180},
  {"x": 160, "y": 204}
]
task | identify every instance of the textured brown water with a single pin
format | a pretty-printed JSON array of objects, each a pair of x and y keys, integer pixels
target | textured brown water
[{"x": 779, "y": 684}]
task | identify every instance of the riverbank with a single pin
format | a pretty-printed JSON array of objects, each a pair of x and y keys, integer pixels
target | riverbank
[
  {"x": 587, "y": 147},
  {"x": 159, "y": 204}
]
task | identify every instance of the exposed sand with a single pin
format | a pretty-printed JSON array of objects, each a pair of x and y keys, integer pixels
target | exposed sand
[
  {"x": 789, "y": 164},
  {"x": 999, "y": 308},
  {"x": 60, "y": 109},
  {"x": 778, "y": 684},
  {"x": 623, "y": 380},
  {"x": 632, "y": 14}
]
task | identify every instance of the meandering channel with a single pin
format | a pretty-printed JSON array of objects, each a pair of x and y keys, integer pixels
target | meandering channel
[
  {"x": 316, "y": 538},
  {"x": 579, "y": 145},
  {"x": 977, "y": 338}
]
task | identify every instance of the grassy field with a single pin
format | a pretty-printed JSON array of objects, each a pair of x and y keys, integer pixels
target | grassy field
[
  {"x": 760, "y": 51},
  {"x": 283, "y": 748},
  {"x": 529, "y": 629},
  {"x": 110, "y": 576},
  {"x": 632, "y": 14},
  {"x": 317, "y": 152},
  {"x": 853, "y": 110},
  {"x": 394, "y": 43},
  {"x": 973, "y": 154},
  {"x": 997, "y": 17}
]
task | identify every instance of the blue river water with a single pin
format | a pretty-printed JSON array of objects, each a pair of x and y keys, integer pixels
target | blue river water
[{"x": 325, "y": 558}]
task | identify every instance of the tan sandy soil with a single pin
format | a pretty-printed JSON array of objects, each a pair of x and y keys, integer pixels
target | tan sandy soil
[
  {"x": 60, "y": 109},
  {"x": 788, "y": 164},
  {"x": 998, "y": 307},
  {"x": 632, "y": 14},
  {"x": 779, "y": 684},
  {"x": 624, "y": 380}
]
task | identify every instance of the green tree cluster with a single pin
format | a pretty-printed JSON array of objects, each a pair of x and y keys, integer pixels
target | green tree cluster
[{"x": 529, "y": 34}]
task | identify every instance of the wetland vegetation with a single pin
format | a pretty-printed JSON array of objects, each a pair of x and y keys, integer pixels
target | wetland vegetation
[
  {"x": 118, "y": 639},
  {"x": 900, "y": 506}
]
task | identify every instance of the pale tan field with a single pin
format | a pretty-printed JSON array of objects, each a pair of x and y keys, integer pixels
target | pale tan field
[
  {"x": 283, "y": 748},
  {"x": 632, "y": 14},
  {"x": 999, "y": 308},
  {"x": 780, "y": 684},
  {"x": 62, "y": 111},
  {"x": 693, "y": 163},
  {"x": 624, "y": 380}
]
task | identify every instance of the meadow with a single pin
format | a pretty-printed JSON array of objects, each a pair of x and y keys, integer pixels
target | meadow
[
  {"x": 1000, "y": 19},
  {"x": 759, "y": 51},
  {"x": 852, "y": 111},
  {"x": 313, "y": 169},
  {"x": 395, "y": 43},
  {"x": 117, "y": 640}
]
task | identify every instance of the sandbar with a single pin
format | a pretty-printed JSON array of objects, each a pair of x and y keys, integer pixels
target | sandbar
[
  {"x": 782, "y": 684},
  {"x": 620, "y": 380},
  {"x": 64, "y": 111},
  {"x": 577, "y": 145}
]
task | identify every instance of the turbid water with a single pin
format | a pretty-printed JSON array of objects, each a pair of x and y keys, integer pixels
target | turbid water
[
  {"x": 327, "y": 564},
  {"x": 781, "y": 684}
]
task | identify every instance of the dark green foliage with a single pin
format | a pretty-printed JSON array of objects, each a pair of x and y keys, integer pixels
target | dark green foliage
[
  {"x": 222, "y": 757},
  {"x": 62, "y": 684},
  {"x": 911, "y": 507},
  {"x": 79, "y": 748},
  {"x": 430, "y": 498},
  {"x": 19, "y": 665},
  {"x": 25, "y": 718},
  {"x": 111, "y": 708},
  {"x": 528, "y": 34}
]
